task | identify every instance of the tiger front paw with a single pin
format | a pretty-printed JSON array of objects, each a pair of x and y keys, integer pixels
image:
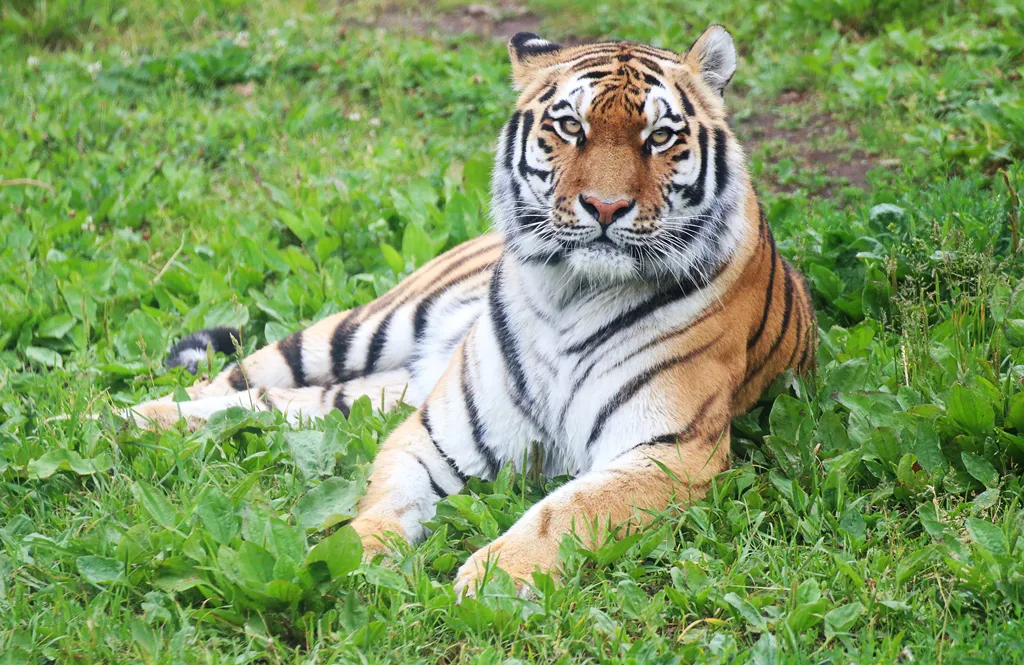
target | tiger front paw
[{"x": 519, "y": 558}]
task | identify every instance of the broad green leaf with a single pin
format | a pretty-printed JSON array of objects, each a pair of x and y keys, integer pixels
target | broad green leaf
[
  {"x": 67, "y": 460},
  {"x": 274, "y": 332},
  {"x": 56, "y": 327},
  {"x": 746, "y": 610},
  {"x": 602, "y": 622},
  {"x": 286, "y": 541},
  {"x": 808, "y": 591},
  {"x": 988, "y": 536},
  {"x": 842, "y": 619},
  {"x": 915, "y": 562},
  {"x": 100, "y": 569},
  {"x": 283, "y": 591},
  {"x": 931, "y": 522},
  {"x": 927, "y": 448},
  {"x": 393, "y": 258},
  {"x": 970, "y": 410},
  {"x": 330, "y": 502},
  {"x": 980, "y": 468},
  {"x": 791, "y": 420},
  {"x": 155, "y": 504},
  {"x": 312, "y": 456},
  {"x": 44, "y": 356},
  {"x": 986, "y": 499},
  {"x": 341, "y": 551},
  {"x": 765, "y": 651},
  {"x": 218, "y": 515},
  {"x": 852, "y": 522},
  {"x": 383, "y": 577},
  {"x": 1015, "y": 413},
  {"x": 255, "y": 564}
]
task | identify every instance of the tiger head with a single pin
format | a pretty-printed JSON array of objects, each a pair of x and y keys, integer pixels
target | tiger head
[{"x": 618, "y": 162}]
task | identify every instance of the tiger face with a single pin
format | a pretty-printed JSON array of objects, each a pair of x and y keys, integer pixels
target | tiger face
[{"x": 618, "y": 162}]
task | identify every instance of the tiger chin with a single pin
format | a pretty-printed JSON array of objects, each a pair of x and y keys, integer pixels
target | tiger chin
[{"x": 630, "y": 303}]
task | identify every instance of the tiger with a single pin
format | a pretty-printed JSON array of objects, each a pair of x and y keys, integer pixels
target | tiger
[{"x": 629, "y": 303}]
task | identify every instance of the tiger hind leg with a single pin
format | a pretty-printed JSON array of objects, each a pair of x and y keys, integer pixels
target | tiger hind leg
[{"x": 385, "y": 390}]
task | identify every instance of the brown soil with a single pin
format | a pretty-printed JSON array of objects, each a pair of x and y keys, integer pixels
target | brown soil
[
  {"x": 498, "y": 21},
  {"x": 810, "y": 141}
]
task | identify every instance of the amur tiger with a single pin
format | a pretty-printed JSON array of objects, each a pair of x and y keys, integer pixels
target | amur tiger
[{"x": 629, "y": 303}]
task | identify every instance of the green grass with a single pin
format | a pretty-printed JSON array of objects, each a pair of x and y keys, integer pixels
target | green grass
[{"x": 162, "y": 172}]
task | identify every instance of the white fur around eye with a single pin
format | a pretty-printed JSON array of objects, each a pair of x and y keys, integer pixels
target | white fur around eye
[
  {"x": 660, "y": 147},
  {"x": 567, "y": 136}
]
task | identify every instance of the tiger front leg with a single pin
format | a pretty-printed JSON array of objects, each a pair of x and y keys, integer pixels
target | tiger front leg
[
  {"x": 620, "y": 495},
  {"x": 410, "y": 475}
]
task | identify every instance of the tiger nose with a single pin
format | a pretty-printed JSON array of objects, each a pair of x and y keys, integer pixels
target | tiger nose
[{"x": 605, "y": 213}]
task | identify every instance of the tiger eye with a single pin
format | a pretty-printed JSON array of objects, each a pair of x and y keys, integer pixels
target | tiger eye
[
  {"x": 660, "y": 136},
  {"x": 571, "y": 126}
]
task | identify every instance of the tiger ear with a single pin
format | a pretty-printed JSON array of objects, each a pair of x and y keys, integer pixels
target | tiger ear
[
  {"x": 713, "y": 56},
  {"x": 528, "y": 52}
]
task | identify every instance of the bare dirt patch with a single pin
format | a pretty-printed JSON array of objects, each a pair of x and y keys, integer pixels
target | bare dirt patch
[
  {"x": 815, "y": 141},
  {"x": 499, "y": 20}
]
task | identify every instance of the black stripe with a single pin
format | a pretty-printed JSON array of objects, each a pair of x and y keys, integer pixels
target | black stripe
[
  {"x": 721, "y": 168},
  {"x": 437, "y": 489},
  {"x": 549, "y": 93},
  {"x": 524, "y": 168},
  {"x": 339, "y": 402},
  {"x": 799, "y": 329},
  {"x": 652, "y": 80},
  {"x": 560, "y": 105},
  {"x": 783, "y": 328},
  {"x": 632, "y": 316},
  {"x": 808, "y": 342},
  {"x": 672, "y": 116},
  {"x": 419, "y": 326},
  {"x": 380, "y": 337},
  {"x": 682, "y": 436},
  {"x": 474, "y": 417},
  {"x": 687, "y": 106},
  {"x": 600, "y": 74},
  {"x": 596, "y": 61},
  {"x": 341, "y": 340},
  {"x": 291, "y": 348},
  {"x": 756, "y": 337},
  {"x": 695, "y": 193},
  {"x": 634, "y": 385},
  {"x": 660, "y": 339},
  {"x": 650, "y": 64},
  {"x": 511, "y": 129},
  {"x": 509, "y": 351},
  {"x": 236, "y": 379},
  {"x": 425, "y": 420}
]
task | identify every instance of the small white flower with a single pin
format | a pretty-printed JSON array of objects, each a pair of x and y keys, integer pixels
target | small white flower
[
  {"x": 242, "y": 39},
  {"x": 33, "y": 61},
  {"x": 354, "y": 116},
  {"x": 290, "y": 23},
  {"x": 374, "y": 122},
  {"x": 87, "y": 225},
  {"x": 94, "y": 68},
  {"x": 273, "y": 32},
  {"x": 280, "y": 43}
]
